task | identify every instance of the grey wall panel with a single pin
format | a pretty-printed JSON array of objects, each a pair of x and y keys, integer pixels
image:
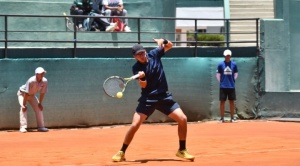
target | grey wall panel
[{"x": 280, "y": 104}]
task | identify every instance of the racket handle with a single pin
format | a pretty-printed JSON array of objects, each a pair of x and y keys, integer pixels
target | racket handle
[{"x": 135, "y": 76}]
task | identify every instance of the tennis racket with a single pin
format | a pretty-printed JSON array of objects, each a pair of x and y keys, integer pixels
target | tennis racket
[
  {"x": 115, "y": 84},
  {"x": 69, "y": 23}
]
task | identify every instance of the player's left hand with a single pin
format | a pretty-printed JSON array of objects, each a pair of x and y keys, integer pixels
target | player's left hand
[
  {"x": 160, "y": 42},
  {"x": 41, "y": 107}
]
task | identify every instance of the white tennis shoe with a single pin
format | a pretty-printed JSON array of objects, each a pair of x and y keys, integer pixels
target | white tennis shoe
[
  {"x": 127, "y": 29},
  {"x": 111, "y": 27},
  {"x": 23, "y": 130}
]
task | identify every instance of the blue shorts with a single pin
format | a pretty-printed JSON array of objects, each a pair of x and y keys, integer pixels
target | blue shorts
[{"x": 162, "y": 102}]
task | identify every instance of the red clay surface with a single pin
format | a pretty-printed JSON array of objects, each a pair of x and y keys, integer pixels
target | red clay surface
[{"x": 265, "y": 143}]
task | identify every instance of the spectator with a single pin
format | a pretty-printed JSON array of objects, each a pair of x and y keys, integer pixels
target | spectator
[
  {"x": 80, "y": 7},
  {"x": 27, "y": 93},
  {"x": 116, "y": 7},
  {"x": 97, "y": 6},
  {"x": 99, "y": 24},
  {"x": 227, "y": 73}
]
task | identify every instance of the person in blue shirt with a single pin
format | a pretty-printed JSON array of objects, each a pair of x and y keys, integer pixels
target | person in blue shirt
[
  {"x": 154, "y": 95},
  {"x": 227, "y": 73}
]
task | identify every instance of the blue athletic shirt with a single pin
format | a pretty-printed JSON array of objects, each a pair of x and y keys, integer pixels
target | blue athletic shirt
[
  {"x": 155, "y": 75},
  {"x": 227, "y": 70}
]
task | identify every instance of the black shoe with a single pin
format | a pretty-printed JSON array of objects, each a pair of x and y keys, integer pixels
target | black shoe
[{"x": 221, "y": 120}]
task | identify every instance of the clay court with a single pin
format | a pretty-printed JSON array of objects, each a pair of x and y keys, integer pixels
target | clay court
[{"x": 243, "y": 143}]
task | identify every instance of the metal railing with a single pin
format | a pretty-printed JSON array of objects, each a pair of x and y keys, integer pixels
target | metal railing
[{"x": 138, "y": 31}]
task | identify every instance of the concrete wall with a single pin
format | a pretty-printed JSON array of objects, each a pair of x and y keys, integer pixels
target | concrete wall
[
  {"x": 279, "y": 48},
  {"x": 278, "y": 62},
  {"x": 76, "y": 97},
  {"x": 199, "y": 3}
]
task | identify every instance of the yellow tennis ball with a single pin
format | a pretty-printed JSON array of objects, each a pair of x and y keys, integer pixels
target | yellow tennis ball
[{"x": 119, "y": 95}]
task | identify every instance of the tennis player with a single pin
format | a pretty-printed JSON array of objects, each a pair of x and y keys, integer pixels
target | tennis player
[{"x": 154, "y": 95}]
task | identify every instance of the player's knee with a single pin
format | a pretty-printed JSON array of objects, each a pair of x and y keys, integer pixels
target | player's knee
[
  {"x": 178, "y": 116},
  {"x": 183, "y": 118}
]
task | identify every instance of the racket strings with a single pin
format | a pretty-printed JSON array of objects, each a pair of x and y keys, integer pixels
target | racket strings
[{"x": 113, "y": 85}]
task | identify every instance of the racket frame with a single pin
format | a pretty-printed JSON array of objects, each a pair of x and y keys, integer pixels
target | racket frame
[{"x": 125, "y": 82}]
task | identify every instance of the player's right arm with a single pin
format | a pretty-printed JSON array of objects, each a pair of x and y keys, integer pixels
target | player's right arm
[{"x": 142, "y": 79}]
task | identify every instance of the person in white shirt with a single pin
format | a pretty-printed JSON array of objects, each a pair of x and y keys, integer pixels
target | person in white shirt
[
  {"x": 116, "y": 7},
  {"x": 26, "y": 93}
]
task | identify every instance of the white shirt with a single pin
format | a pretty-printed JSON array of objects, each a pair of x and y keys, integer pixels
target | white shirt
[
  {"x": 112, "y": 3},
  {"x": 32, "y": 86}
]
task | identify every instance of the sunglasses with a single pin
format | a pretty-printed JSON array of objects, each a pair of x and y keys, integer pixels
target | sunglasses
[{"x": 140, "y": 53}]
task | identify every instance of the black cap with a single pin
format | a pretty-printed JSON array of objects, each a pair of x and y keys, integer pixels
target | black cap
[{"x": 137, "y": 48}]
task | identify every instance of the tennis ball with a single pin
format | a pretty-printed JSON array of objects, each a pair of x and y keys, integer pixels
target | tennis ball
[{"x": 119, "y": 95}]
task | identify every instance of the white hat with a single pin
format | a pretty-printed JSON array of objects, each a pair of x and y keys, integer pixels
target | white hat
[
  {"x": 39, "y": 70},
  {"x": 227, "y": 52}
]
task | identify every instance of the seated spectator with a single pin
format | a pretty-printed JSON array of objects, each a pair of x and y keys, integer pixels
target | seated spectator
[
  {"x": 99, "y": 24},
  {"x": 115, "y": 7},
  {"x": 80, "y": 7},
  {"x": 98, "y": 7},
  {"x": 87, "y": 7}
]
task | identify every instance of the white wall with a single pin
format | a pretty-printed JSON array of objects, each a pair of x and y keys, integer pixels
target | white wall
[{"x": 211, "y": 26}]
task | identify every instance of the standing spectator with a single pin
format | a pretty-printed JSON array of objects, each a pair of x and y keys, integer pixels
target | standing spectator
[
  {"x": 80, "y": 7},
  {"x": 116, "y": 7},
  {"x": 27, "y": 93},
  {"x": 227, "y": 73},
  {"x": 155, "y": 95}
]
